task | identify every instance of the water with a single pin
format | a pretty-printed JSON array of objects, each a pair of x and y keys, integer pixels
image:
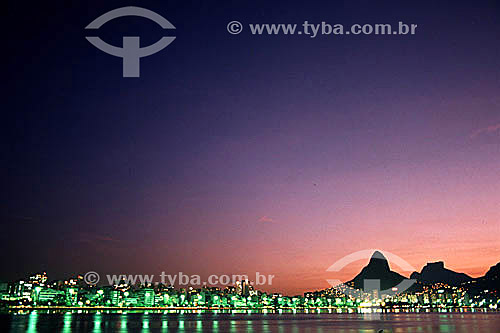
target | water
[{"x": 244, "y": 322}]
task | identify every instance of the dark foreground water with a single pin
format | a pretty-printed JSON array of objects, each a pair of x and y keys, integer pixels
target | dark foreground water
[{"x": 211, "y": 322}]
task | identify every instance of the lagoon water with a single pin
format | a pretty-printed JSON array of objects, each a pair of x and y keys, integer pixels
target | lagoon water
[{"x": 245, "y": 322}]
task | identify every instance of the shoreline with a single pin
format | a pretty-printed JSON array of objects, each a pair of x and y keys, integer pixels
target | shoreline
[{"x": 218, "y": 310}]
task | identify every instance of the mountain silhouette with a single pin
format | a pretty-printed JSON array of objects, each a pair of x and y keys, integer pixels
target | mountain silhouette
[
  {"x": 493, "y": 273},
  {"x": 377, "y": 269},
  {"x": 490, "y": 281},
  {"x": 436, "y": 272}
]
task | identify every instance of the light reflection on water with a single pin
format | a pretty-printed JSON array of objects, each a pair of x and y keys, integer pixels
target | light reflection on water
[{"x": 36, "y": 321}]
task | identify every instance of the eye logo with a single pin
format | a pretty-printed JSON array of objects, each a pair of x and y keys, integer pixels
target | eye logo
[{"x": 131, "y": 52}]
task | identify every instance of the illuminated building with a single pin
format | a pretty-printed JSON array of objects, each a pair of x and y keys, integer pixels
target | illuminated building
[{"x": 146, "y": 297}]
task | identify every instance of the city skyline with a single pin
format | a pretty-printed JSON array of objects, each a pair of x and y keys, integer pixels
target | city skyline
[
  {"x": 434, "y": 288},
  {"x": 166, "y": 277}
]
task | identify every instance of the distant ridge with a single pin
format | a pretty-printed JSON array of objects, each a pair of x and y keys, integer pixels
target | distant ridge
[
  {"x": 490, "y": 281},
  {"x": 434, "y": 272},
  {"x": 493, "y": 272}
]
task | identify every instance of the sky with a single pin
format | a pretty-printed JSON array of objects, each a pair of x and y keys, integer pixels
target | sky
[{"x": 236, "y": 154}]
